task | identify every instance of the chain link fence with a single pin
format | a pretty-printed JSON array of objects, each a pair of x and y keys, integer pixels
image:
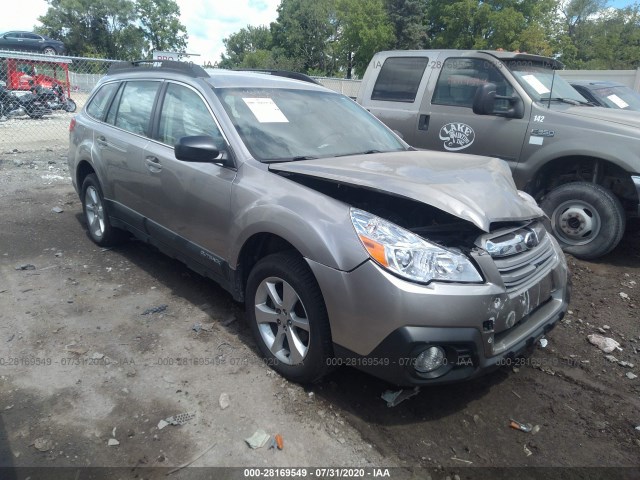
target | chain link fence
[{"x": 64, "y": 83}]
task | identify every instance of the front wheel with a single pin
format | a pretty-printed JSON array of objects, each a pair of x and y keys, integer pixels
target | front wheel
[
  {"x": 70, "y": 106},
  {"x": 288, "y": 317},
  {"x": 587, "y": 219}
]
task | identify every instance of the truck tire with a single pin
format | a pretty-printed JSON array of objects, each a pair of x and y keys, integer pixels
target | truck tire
[
  {"x": 587, "y": 219},
  {"x": 288, "y": 317}
]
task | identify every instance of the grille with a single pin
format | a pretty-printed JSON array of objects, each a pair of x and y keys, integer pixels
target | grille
[{"x": 521, "y": 270}]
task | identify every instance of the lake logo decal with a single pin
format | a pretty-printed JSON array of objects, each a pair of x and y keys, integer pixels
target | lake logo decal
[{"x": 457, "y": 136}]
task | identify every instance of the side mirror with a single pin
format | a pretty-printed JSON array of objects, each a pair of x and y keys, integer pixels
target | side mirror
[
  {"x": 484, "y": 103},
  {"x": 199, "y": 148}
]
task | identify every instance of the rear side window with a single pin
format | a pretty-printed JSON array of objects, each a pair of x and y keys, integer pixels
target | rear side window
[
  {"x": 134, "y": 108},
  {"x": 100, "y": 101},
  {"x": 399, "y": 79}
]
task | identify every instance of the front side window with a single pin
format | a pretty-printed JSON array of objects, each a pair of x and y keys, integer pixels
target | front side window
[
  {"x": 100, "y": 101},
  {"x": 460, "y": 78},
  {"x": 184, "y": 113},
  {"x": 399, "y": 79},
  {"x": 134, "y": 109}
]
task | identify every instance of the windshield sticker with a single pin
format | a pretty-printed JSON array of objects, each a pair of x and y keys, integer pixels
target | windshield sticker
[
  {"x": 618, "y": 101},
  {"x": 265, "y": 110},
  {"x": 457, "y": 136},
  {"x": 537, "y": 85}
]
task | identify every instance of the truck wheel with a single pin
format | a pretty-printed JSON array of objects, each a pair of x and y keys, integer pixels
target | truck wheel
[
  {"x": 288, "y": 317},
  {"x": 588, "y": 220},
  {"x": 95, "y": 214}
]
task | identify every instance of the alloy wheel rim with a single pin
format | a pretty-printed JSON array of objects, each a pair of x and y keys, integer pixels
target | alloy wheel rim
[
  {"x": 282, "y": 320},
  {"x": 94, "y": 212}
]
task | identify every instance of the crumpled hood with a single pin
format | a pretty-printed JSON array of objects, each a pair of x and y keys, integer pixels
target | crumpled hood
[
  {"x": 614, "y": 115},
  {"x": 478, "y": 189}
]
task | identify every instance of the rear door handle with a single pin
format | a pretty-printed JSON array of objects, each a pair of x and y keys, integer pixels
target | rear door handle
[
  {"x": 153, "y": 164},
  {"x": 101, "y": 141}
]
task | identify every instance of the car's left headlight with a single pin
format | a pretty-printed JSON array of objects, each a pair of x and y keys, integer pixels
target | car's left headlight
[{"x": 408, "y": 255}]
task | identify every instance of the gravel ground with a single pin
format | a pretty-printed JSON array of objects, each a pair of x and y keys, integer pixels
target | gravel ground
[{"x": 82, "y": 366}]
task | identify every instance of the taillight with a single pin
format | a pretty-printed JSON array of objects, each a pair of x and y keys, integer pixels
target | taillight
[{"x": 72, "y": 124}]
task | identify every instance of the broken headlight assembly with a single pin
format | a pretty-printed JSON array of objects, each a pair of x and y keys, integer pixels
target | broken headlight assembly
[{"x": 408, "y": 255}]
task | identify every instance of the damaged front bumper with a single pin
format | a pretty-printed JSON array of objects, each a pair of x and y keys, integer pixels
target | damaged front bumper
[{"x": 381, "y": 323}]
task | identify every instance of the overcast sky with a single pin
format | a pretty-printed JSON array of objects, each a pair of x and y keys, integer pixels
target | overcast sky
[{"x": 207, "y": 21}]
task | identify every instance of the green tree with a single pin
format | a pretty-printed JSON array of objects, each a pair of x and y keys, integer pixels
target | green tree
[
  {"x": 161, "y": 27},
  {"x": 119, "y": 29},
  {"x": 250, "y": 42},
  {"x": 363, "y": 30},
  {"x": 523, "y": 25},
  {"x": 307, "y": 32},
  {"x": 408, "y": 18}
]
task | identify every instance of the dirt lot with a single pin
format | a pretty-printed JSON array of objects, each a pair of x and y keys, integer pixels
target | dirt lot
[{"x": 82, "y": 364}]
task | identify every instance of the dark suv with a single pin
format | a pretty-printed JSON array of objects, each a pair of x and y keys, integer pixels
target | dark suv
[{"x": 346, "y": 245}]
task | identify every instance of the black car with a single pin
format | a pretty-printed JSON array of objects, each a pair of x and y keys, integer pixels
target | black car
[
  {"x": 608, "y": 94},
  {"x": 32, "y": 42}
]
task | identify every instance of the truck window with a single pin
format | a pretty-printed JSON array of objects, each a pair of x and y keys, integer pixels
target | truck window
[
  {"x": 399, "y": 79},
  {"x": 461, "y": 77}
]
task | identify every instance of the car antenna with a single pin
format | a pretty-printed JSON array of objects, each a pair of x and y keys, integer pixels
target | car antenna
[{"x": 553, "y": 79}]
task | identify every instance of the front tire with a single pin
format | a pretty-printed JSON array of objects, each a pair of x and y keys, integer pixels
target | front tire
[
  {"x": 288, "y": 317},
  {"x": 96, "y": 216},
  {"x": 587, "y": 219}
]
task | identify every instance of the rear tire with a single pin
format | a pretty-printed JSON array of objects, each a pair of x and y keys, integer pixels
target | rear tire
[
  {"x": 70, "y": 106},
  {"x": 587, "y": 219},
  {"x": 96, "y": 216},
  {"x": 288, "y": 317},
  {"x": 49, "y": 51}
]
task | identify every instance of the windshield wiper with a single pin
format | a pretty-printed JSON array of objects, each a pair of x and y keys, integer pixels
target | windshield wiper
[
  {"x": 570, "y": 101},
  {"x": 368, "y": 152},
  {"x": 292, "y": 159}
]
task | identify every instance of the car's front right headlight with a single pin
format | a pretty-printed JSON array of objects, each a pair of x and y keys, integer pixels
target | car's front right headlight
[{"x": 408, "y": 255}]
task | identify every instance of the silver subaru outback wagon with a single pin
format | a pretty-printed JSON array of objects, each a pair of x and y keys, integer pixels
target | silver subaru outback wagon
[{"x": 346, "y": 245}]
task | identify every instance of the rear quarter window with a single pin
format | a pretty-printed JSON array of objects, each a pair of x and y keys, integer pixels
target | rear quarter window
[
  {"x": 399, "y": 79},
  {"x": 100, "y": 101}
]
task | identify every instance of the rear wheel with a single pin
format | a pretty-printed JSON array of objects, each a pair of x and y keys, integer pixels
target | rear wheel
[
  {"x": 288, "y": 317},
  {"x": 95, "y": 214},
  {"x": 49, "y": 51},
  {"x": 70, "y": 106},
  {"x": 587, "y": 219}
]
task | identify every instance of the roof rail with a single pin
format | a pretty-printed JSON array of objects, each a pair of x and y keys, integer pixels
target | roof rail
[
  {"x": 281, "y": 73},
  {"x": 185, "y": 68}
]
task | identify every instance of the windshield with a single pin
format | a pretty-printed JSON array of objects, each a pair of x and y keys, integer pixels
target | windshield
[
  {"x": 618, "y": 97},
  {"x": 536, "y": 79},
  {"x": 281, "y": 124}
]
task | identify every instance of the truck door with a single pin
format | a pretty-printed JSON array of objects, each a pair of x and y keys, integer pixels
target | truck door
[
  {"x": 449, "y": 123},
  {"x": 394, "y": 98}
]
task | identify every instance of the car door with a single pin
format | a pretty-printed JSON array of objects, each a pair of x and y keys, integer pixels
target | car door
[
  {"x": 121, "y": 145},
  {"x": 13, "y": 41},
  {"x": 191, "y": 201},
  {"x": 452, "y": 125},
  {"x": 32, "y": 42}
]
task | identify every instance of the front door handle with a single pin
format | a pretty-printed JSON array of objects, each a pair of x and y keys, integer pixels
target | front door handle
[
  {"x": 423, "y": 122},
  {"x": 153, "y": 164}
]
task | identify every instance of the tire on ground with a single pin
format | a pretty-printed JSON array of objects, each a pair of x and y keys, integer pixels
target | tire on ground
[
  {"x": 270, "y": 275},
  {"x": 98, "y": 225},
  {"x": 595, "y": 200}
]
